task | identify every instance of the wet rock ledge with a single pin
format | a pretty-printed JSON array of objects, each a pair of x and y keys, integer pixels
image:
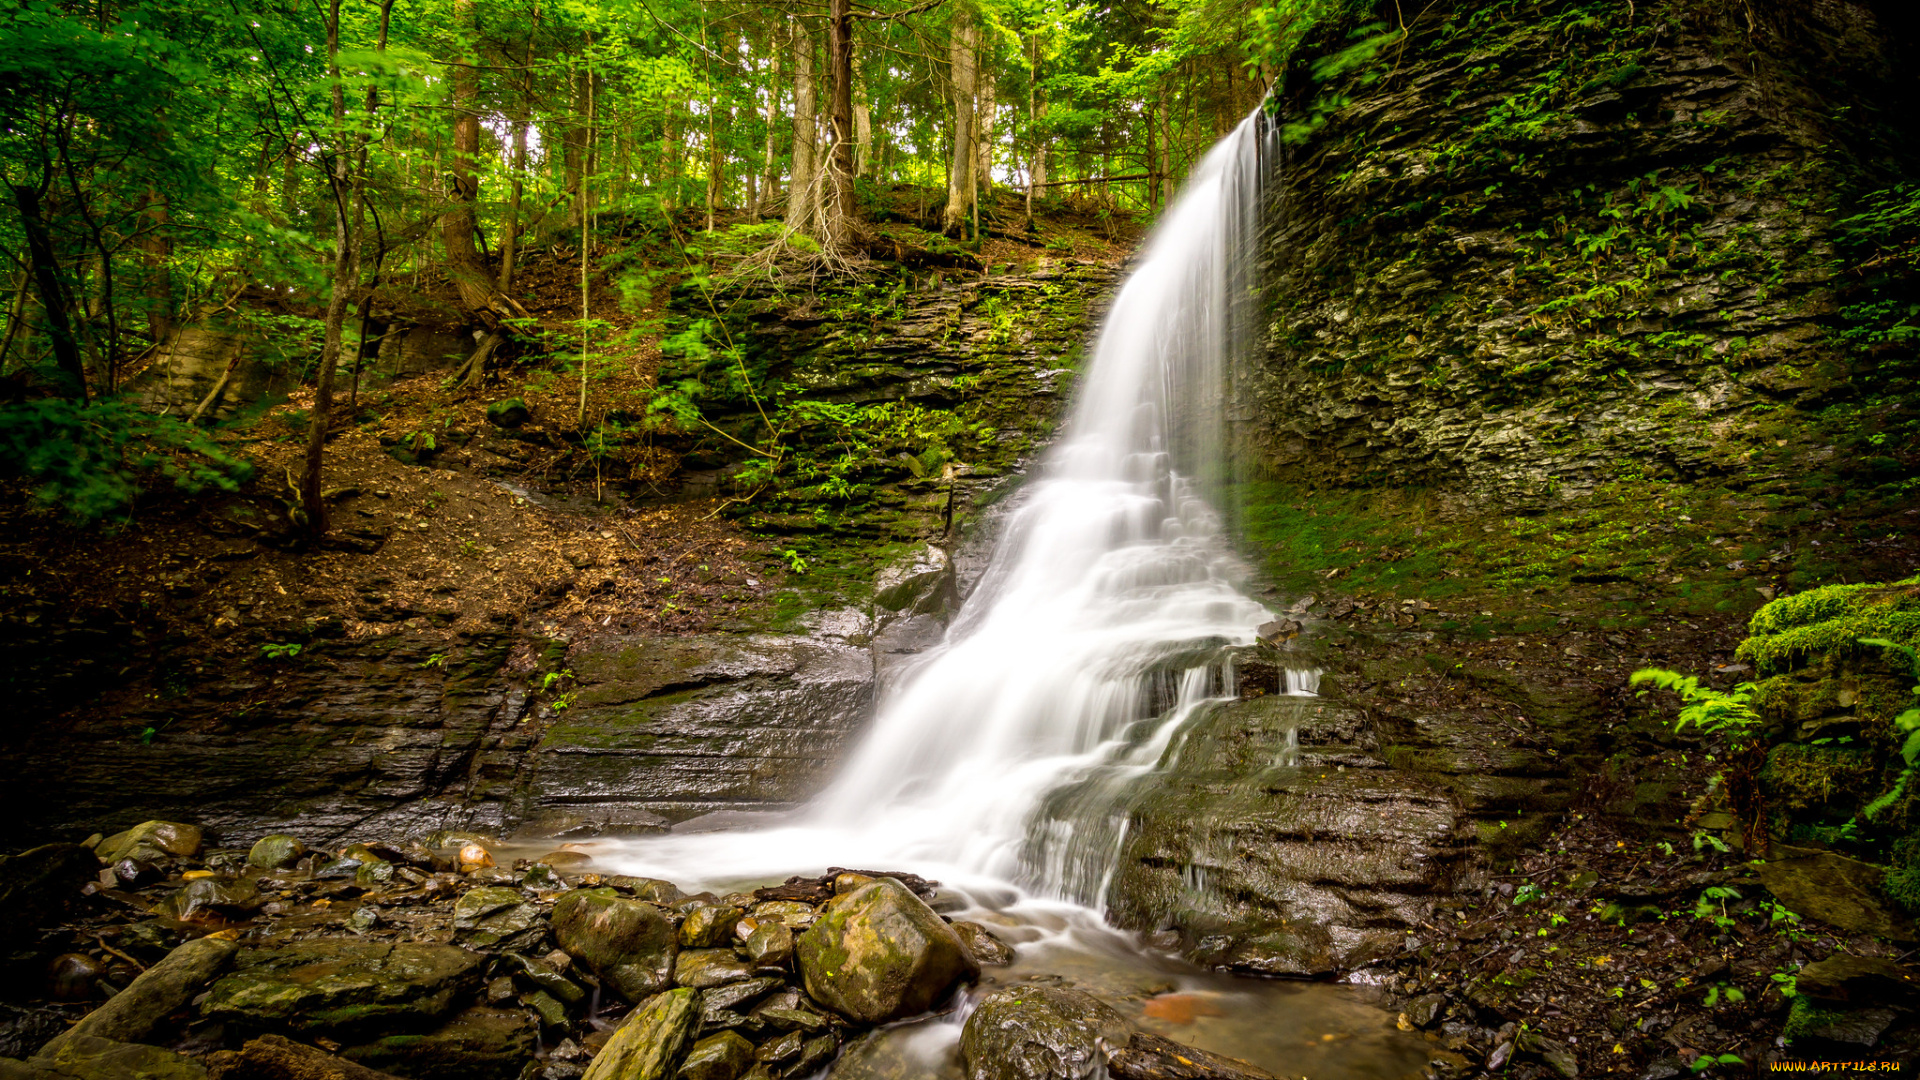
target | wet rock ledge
[{"x": 145, "y": 955}]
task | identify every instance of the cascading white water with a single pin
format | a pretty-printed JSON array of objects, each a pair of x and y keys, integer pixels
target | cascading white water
[{"x": 1086, "y": 646}]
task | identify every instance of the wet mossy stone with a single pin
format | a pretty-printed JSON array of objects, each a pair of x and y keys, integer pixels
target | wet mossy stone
[
  {"x": 652, "y": 1042},
  {"x": 236, "y": 897},
  {"x": 705, "y": 926},
  {"x": 344, "y": 987},
  {"x": 276, "y": 852},
  {"x": 495, "y": 917},
  {"x": 629, "y": 945},
  {"x": 986, "y": 950},
  {"x": 706, "y": 968},
  {"x": 151, "y": 840},
  {"x": 477, "y": 1044},
  {"x": 879, "y": 953},
  {"x": 1039, "y": 1033},
  {"x": 156, "y": 994},
  {"x": 723, "y": 1056},
  {"x": 509, "y": 413},
  {"x": 770, "y": 945},
  {"x": 90, "y": 1058}
]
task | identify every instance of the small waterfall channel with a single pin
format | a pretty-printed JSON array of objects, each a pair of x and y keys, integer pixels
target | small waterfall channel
[{"x": 1101, "y": 630}]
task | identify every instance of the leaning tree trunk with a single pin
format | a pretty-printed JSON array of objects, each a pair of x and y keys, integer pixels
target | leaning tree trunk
[
  {"x": 53, "y": 300},
  {"x": 960, "y": 182}
]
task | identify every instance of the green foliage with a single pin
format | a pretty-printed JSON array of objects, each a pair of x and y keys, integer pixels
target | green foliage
[
  {"x": 280, "y": 650},
  {"x": 1711, "y": 711},
  {"x": 90, "y": 462},
  {"x": 1879, "y": 251}
]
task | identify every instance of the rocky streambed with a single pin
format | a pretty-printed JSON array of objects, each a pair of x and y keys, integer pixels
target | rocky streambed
[{"x": 147, "y": 954}]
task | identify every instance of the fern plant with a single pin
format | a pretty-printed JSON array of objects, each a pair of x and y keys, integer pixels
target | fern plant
[{"x": 1708, "y": 710}]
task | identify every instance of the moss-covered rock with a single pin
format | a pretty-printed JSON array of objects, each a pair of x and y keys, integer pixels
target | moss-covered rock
[
  {"x": 628, "y": 944},
  {"x": 477, "y": 1044},
  {"x": 652, "y": 1042},
  {"x": 1039, "y": 1033},
  {"x": 879, "y": 953},
  {"x": 344, "y": 987}
]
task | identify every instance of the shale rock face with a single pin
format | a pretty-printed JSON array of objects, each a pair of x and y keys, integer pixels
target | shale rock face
[
  {"x": 1455, "y": 258},
  {"x": 879, "y": 953}
]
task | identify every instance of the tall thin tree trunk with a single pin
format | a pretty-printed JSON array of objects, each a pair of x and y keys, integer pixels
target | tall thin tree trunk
[
  {"x": 983, "y": 128},
  {"x": 770, "y": 176},
  {"x": 1037, "y": 163},
  {"x": 803, "y": 191},
  {"x": 479, "y": 291},
  {"x": 960, "y": 181},
  {"x": 343, "y": 182},
  {"x": 863, "y": 157},
  {"x": 159, "y": 271},
  {"x": 839, "y": 208},
  {"x": 510, "y": 244}
]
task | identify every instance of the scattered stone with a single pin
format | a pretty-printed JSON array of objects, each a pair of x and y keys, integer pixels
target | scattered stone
[
  {"x": 649, "y": 1045},
  {"x": 734, "y": 995},
  {"x": 723, "y": 1056},
  {"x": 344, "y": 987},
  {"x": 541, "y": 975},
  {"x": 814, "y": 1053},
  {"x": 157, "y": 993},
  {"x": 704, "y": 926},
  {"x": 275, "y": 1057},
  {"x": 704, "y": 968},
  {"x": 629, "y": 945},
  {"x": 212, "y": 895},
  {"x": 276, "y": 852},
  {"x": 769, "y": 945},
  {"x": 793, "y": 914},
  {"x": 508, "y": 413},
  {"x": 492, "y": 917},
  {"x": 152, "y": 841},
  {"x": 878, "y": 953},
  {"x": 780, "y": 1050},
  {"x": 1424, "y": 1010},
  {"x": 474, "y": 857},
  {"x": 986, "y": 950},
  {"x": 1038, "y": 1033}
]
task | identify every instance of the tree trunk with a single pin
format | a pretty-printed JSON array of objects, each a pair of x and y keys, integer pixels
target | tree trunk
[
  {"x": 574, "y": 156},
  {"x": 510, "y": 244},
  {"x": 960, "y": 181},
  {"x": 863, "y": 157},
  {"x": 1037, "y": 163},
  {"x": 479, "y": 292},
  {"x": 840, "y": 215},
  {"x": 159, "y": 273},
  {"x": 983, "y": 125},
  {"x": 803, "y": 191},
  {"x": 53, "y": 301},
  {"x": 344, "y": 183},
  {"x": 770, "y": 175}
]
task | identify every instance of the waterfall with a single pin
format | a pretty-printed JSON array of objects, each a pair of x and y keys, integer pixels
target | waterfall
[{"x": 1096, "y": 633}]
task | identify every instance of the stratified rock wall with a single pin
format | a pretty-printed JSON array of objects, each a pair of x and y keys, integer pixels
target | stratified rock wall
[{"x": 1551, "y": 244}]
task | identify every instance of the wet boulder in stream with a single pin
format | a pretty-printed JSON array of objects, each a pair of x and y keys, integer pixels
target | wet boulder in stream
[
  {"x": 629, "y": 945},
  {"x": 497, "y": 918},
  {"x": 878, "y": 953},
  {"x": 344, "y": 987},
  {"x": 151, "y": 841},
  {"x": 652, "y": 1041},
  {"x": 1039, "y": 1033}
]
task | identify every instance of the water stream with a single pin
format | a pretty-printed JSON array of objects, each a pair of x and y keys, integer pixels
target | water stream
[{"x": 1092, "y": 639}]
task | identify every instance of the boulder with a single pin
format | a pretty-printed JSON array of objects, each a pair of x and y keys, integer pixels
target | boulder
[
  {"x": 212, "y": 895},
  {"x": 344, "y": 987},
  {"x": 151, "y": 840},
  {"x": 157, "y": 993},
  {"x": 652, "y": 1041},
  {"x": 986, "y": 950},
  {"x": 276, "y": 852},
  {"x": 1039, "y": 1033},
  {"x": 497, "y": 918},
  {"x": 1859, "y": 980},
  {"x": 921, "y": 584},
  {"x": 879, "y": 953},
  {"x": 707, "y": 925},
  {"x": 508, "y": 413},
  {"x": 724, "y": 1056},
  {"x": 630, "y": 945},
  {"x": 705, "y": 968},
  {"x": 1838, "y": 891},
  {"x": 769, "y": 944},
  {"x": 478, "y": 1044}
]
